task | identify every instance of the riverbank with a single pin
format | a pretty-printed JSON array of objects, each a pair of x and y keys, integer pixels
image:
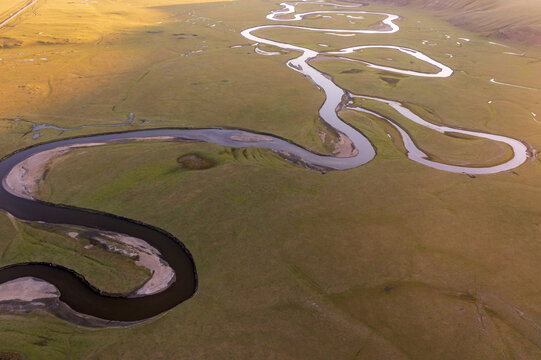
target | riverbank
[
  {"x": 24, "y": 181},
  {"x": 28, "y": 294},
  {"x": 24, "y": 170}
]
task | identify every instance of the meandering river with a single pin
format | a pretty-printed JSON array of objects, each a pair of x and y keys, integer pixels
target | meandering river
[{"x": 78, "y": 301}]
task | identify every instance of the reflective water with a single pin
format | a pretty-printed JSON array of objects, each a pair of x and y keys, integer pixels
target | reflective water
[{"x": 85, "y": 299}]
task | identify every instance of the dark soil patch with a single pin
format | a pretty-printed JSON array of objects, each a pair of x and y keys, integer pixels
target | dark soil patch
[
  {"x": 195, "y": 162},
  {"x": 390, "y": 81},
  {"x": 6, "y": 355}
]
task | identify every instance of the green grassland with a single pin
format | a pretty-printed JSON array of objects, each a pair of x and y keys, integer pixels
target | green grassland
[
  {"x": 517, "y": 20},
  {"x": 114, "y": 273},
  {"x": 104, "y": 73},
  {"x": 392, "y": 260}
]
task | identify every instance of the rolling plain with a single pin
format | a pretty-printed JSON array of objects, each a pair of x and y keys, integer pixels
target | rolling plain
[{"x": 389, "y": 260}]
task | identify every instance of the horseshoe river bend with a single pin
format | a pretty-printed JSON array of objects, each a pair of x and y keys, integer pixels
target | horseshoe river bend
[{"x": 68, "y": 295}]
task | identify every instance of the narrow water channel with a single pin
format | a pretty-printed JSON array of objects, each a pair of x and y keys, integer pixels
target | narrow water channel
[{"x": 83, "y": 301}]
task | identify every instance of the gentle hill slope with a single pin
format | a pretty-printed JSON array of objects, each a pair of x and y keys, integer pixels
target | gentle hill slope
[{"x": 516, "y": 21}]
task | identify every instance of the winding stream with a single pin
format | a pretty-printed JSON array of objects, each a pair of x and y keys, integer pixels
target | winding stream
[{"x": 78, "y": 301}]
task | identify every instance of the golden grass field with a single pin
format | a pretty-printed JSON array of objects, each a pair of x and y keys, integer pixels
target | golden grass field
[{"x": 391, "y": 260}]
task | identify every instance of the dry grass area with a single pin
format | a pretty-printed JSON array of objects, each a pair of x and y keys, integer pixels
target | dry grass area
[{"x": 9, "y": 7}]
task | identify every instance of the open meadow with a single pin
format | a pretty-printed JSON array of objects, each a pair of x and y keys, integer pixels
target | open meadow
[{"x": 389, "y": 260}]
